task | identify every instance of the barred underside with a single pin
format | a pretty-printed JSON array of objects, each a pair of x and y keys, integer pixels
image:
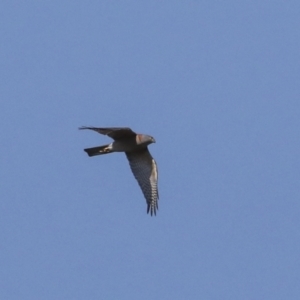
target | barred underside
[{"x": 144, "y": 169}]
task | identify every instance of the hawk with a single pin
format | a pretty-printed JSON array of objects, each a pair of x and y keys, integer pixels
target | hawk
[{"x": 142, "y": 164}]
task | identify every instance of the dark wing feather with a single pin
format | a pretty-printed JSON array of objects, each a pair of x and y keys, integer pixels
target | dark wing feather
[
  {"x": 144, "y": 169},
  {"x": 113, "y": 132}
]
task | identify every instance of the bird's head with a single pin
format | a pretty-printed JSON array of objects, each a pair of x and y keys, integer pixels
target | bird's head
[{"x": 145, "y": 139}]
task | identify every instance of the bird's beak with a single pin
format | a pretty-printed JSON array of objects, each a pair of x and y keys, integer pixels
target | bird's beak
[{"x": 153, "y": 140}]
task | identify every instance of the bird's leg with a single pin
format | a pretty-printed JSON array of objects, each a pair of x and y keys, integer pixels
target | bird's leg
[{"x": 106, "y": 149}]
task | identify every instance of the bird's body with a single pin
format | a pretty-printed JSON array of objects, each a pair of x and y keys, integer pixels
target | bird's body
[{"x": 141, "y": 162}]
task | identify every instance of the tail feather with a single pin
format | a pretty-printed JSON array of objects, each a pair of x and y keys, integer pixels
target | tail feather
[{"x": 98, "y": 150}]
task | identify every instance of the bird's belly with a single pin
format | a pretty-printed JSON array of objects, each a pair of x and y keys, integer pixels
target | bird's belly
[{"x": 124, "y": 146}]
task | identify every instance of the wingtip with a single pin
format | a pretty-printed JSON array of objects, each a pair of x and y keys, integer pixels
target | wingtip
[{"x": 152, "y": 210}]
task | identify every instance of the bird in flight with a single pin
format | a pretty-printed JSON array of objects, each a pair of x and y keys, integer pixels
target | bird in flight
[{"x": 142, "y": 164}]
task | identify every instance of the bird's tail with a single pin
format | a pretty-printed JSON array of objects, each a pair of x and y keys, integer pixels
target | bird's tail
[{"x": 99, "y": 150}]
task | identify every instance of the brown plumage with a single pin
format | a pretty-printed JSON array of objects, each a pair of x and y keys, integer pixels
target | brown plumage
[{"x": 141, "y": 162}]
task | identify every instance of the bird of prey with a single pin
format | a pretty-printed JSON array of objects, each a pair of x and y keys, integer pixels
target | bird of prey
[{"x": 142, "y": 164}]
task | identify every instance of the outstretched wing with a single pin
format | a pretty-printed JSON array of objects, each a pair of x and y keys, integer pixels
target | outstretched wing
[
  {"x": 113, "y": 132},
  {"x": 144, "y": 169}
]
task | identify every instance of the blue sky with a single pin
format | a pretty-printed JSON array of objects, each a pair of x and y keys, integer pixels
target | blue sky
[{"x": 216, "y": 83}]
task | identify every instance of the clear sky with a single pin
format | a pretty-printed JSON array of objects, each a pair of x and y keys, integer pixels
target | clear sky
[{"x": 217, "y": 83}]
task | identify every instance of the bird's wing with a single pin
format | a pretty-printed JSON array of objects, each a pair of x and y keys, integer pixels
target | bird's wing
[
  {"x": 113, "y": 132},
  {"x": 145, "y": 171}
]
